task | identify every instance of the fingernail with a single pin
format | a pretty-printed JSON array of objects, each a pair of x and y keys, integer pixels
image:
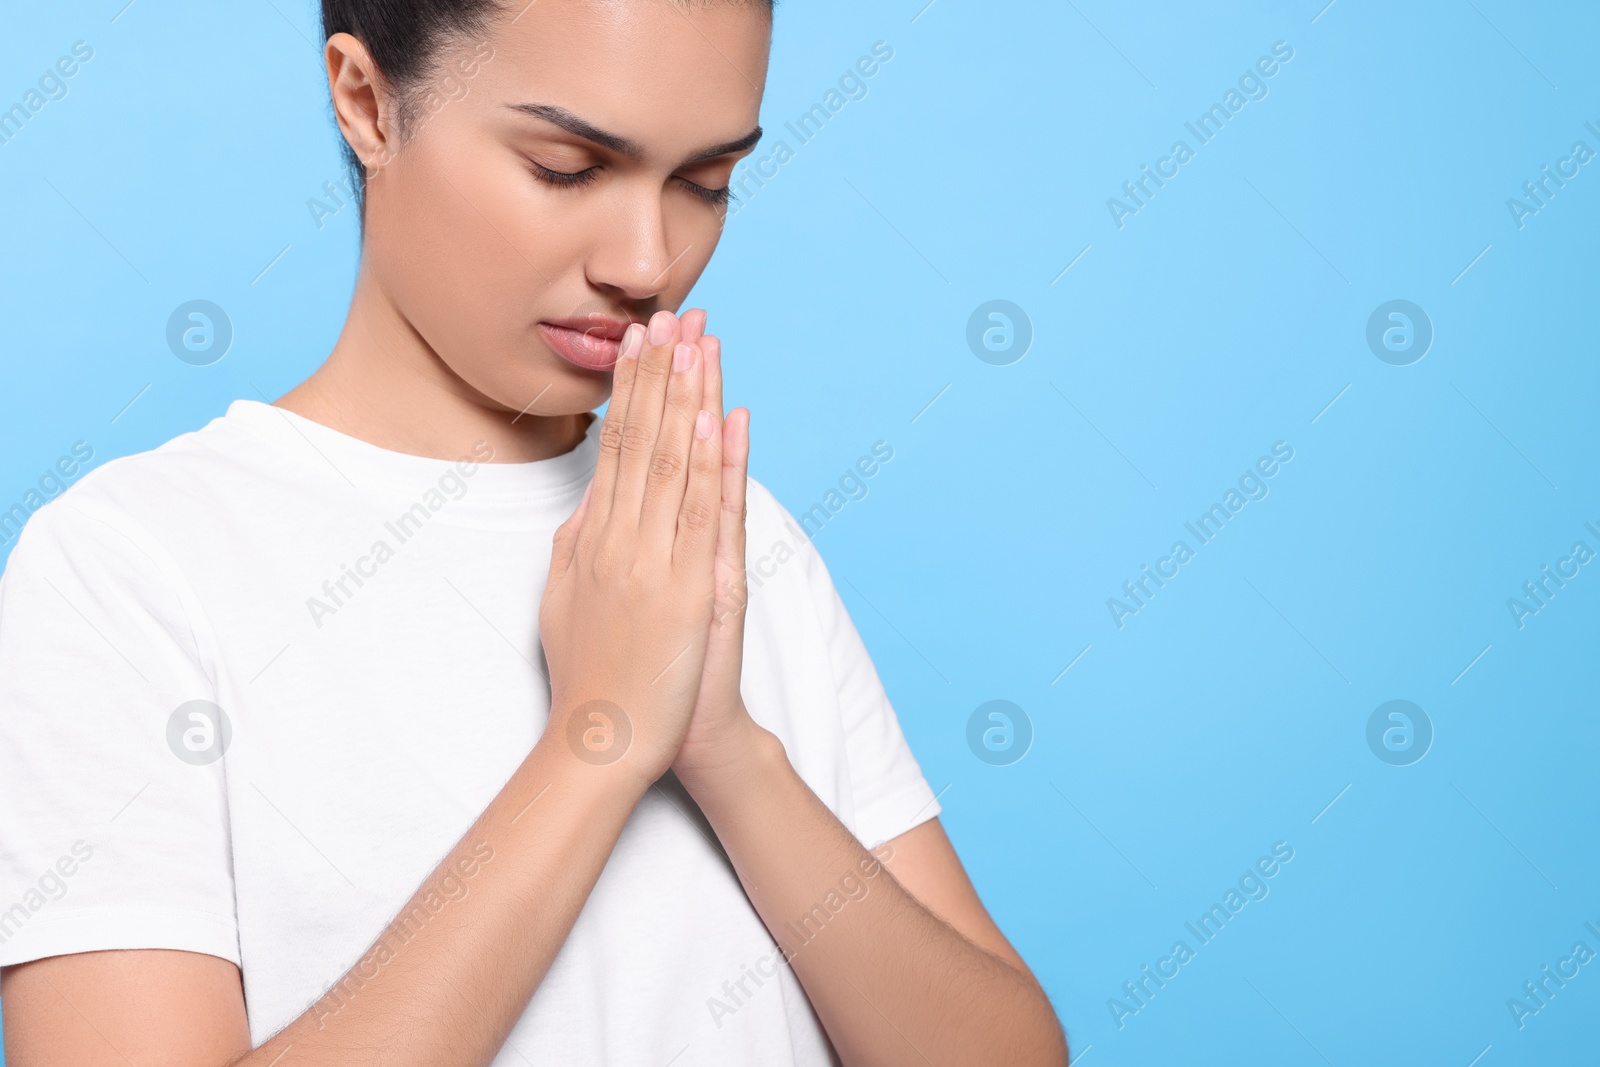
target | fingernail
[
  {"x": 661, "y": 327},
  {"x": 632, "y": 340},
  {"x": 682, "y": 357},
  {"x": 702, "y": 424}
]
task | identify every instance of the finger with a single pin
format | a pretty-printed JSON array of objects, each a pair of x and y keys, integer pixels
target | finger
[
  {"x": 622, "y": 378},
  {"x": 694, "y": 324},
  {"x": 637, "y": 444},
  {"x": 565, "y": 542},
  {"x": 734, "y": 473},
  {"x": 711, "y": 348},
  {"x": 696, "y": 543},
  {"x": 669, "y": 468}
]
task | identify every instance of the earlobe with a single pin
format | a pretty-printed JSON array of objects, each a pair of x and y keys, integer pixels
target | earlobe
[{"x": 358, "y": 103}]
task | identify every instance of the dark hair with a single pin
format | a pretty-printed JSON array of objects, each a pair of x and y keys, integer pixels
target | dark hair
[{"x": 405, "y": 37}]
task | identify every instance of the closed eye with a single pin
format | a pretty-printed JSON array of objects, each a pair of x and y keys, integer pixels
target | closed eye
[
  {"x": 716, "y": 197},
  {"x": 562, "y": 179}
]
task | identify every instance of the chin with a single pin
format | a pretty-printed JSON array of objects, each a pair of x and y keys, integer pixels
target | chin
[{"x": 560, "y": 389}]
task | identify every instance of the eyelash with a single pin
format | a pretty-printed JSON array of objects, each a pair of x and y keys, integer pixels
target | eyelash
[
  {"x": 563, "y": 180},
  {"x": 714, "y": 197}
]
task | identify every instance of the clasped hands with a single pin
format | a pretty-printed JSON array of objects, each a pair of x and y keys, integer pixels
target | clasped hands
[{"x": 642, "y": 616}]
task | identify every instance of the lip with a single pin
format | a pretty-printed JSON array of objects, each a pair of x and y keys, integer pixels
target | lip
[{"x": 592, "y": 343}]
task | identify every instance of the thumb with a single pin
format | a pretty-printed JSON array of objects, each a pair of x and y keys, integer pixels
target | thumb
[{"x": 566, "y": 540}]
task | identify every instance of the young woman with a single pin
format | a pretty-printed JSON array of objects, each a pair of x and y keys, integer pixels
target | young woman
[{"x": 420, "y": 717}]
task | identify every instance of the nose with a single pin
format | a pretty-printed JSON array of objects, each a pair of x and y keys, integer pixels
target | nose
[{"x": 634, "y": 257}]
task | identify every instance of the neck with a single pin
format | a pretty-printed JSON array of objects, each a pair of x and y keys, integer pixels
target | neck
[{"x": 384, "y": 384}]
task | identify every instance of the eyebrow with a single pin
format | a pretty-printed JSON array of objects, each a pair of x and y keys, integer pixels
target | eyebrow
[{"x": 580, "y": 127}]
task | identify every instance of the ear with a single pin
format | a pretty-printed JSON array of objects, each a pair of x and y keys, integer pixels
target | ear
[{"x": 362, "y": 103}]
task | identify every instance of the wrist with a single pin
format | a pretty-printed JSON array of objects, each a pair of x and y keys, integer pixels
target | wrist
[
  {"x": 744, "y": 754},
  {"x": 580, "y": 753}
]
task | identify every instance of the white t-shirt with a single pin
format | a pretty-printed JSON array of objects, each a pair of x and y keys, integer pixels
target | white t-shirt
[{"x": 367, "y": 623}]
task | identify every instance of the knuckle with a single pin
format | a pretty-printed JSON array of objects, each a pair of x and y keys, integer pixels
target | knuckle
[
  {"x": 611, "y": 437},
  {"x": 681, "y": 402},
  {"x": 696, "y": 516},
  {"x": 606, "y": 559},
  {"x": 645, "y": 579},
  {"x": 665, "y": 465},
  {"x": 587, "y": 542},
  {"x": 653, "y": 367},
  {"x": 637, "y": 440}
]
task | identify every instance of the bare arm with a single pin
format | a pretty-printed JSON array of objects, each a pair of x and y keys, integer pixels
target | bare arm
[
  {"x": 902, "y": 968},
  {"x": 444, "y": 986},
  {"x": 624, "y": 620}
]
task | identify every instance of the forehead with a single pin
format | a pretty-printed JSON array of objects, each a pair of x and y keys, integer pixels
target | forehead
[{"x": 660, "y": 72}]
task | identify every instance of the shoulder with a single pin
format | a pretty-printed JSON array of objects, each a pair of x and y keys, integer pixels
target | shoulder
[
  {"x": 776, "y": 546},
  {"x": 788, "y": 580},
  {"x": 175, "y": 468},
  {"x": 764, "y": 514},
  {"x": 81, "y": 500}
]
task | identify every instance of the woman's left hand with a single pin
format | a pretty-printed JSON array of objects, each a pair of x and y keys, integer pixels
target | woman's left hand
[{"x": 720, "y": 727}]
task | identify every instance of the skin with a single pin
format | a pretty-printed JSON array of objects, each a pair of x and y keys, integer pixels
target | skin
[{"x": 464, "y": 251}]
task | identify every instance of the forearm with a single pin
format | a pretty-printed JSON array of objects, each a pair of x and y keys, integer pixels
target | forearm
[
  {"x": 447, "y": 979},
  {"x": 891, "y": 982}
]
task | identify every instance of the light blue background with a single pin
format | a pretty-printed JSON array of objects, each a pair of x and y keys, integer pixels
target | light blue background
[{"x": 1223, "y": 317}]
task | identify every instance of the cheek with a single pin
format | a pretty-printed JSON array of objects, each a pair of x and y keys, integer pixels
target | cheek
[
  {"x": 474, "y": 251},
  {"x": 471, "y": 258},
  {"x": 459, "y": 239}
]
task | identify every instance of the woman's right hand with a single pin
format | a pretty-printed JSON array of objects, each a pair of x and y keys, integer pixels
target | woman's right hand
[{"x": 627, "y": 606}]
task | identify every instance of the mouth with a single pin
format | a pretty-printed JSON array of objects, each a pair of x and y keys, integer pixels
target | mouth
[{"x": 592, "y": 343}]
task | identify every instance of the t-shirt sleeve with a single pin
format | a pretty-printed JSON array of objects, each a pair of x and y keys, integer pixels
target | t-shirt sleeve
[
  {"x": 112, "y": 836},
  {"x": 890, "y": 792}
]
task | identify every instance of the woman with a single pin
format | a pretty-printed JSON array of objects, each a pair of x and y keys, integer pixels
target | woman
[{"x": 422, "y": 718}]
